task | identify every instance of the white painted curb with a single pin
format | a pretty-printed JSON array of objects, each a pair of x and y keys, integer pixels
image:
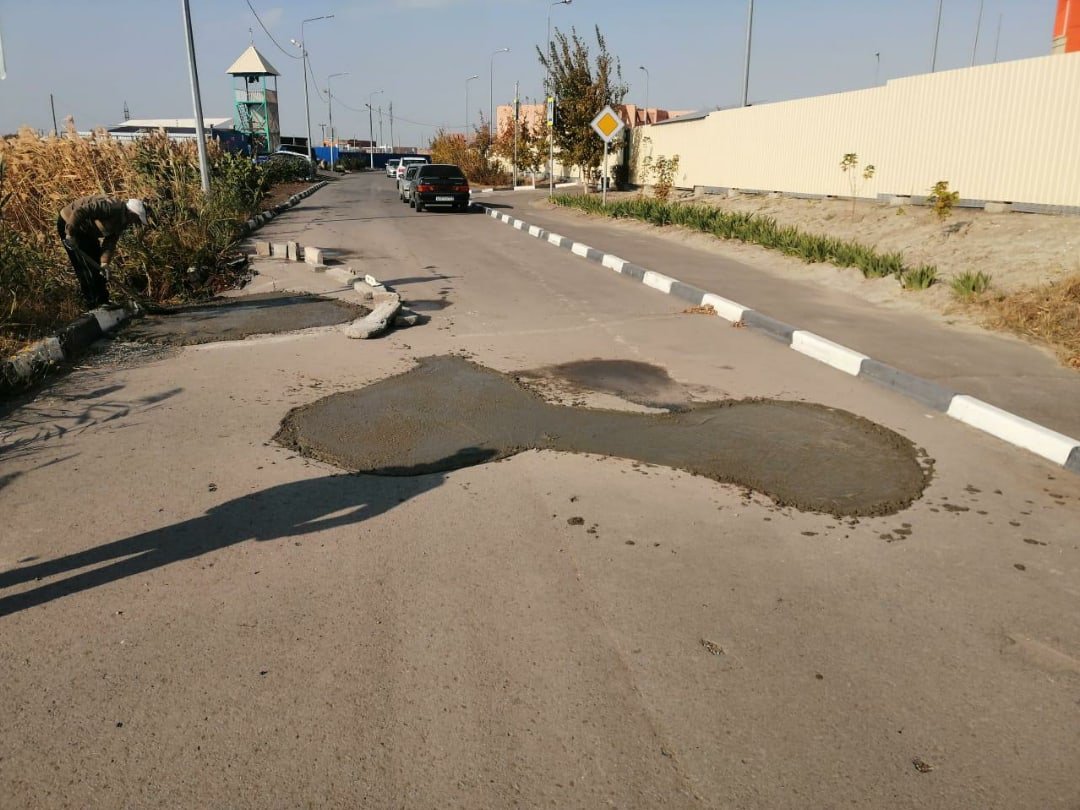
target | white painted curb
[
  {"x": 725, "y": 307},
  {"x": 658, "y": 281},
  {"x": 613, "y": 262},
  {"x": 1011, "y": 428},
  {"x": 832, "y": 354}
]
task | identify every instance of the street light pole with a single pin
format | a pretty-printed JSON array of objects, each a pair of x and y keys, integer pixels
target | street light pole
[
  {"x": 371, "y": 130},
  {"x": 307, "y": 106},
  {"x": 200, "y": 135},
  {"x": 978, "y": 25},
  {"x": 551, "y": 95},
  {"x": 330, "y": 102},
  {"x": 937, "y": 33},
  {"x": 647, "y": 78},
  {"x": 467, "y": 103},
  {"x": 749, "y": 40},
  {"x": 491, "y": 93}
]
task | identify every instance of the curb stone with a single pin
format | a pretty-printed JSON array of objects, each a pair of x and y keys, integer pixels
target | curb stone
[
  {"x": 74, "y": 339},
  {"x": 1056, "y": 447}
]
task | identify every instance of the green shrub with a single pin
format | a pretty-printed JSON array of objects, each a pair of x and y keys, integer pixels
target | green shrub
[
  {"x": 919, "y": 278},
  {"x": 970, "y": 283}
]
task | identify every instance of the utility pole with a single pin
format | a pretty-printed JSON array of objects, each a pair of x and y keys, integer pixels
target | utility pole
[
  {"x": 200, "y": 135},
  {"x": 302, "y": 45},
  {"x": 391, "y": 127},
  {"x": 52, "y": 104},
  {"x": 381, "y": 139},
  {"x": 517, "y": 115},
  {"x": 877, "y": 69}
]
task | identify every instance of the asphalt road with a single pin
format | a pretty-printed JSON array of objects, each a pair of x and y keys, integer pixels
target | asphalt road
[{"x": 192, "y": 615}]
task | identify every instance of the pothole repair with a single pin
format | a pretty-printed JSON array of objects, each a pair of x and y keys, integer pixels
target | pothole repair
[
  {"x": 238, "y": 318},
  {"x": 449, "y": 413}
]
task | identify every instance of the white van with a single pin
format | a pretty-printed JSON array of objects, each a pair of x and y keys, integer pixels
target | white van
[{"x": 405, "y": 163}]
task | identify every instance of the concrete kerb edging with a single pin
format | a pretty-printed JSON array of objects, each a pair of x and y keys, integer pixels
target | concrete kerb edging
[
  {"x": 261, "y": 219},
  {"x": 1056, "y": 447}
]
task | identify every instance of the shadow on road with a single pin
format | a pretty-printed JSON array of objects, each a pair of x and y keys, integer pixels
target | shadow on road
[{"x": 289, "y": 510}]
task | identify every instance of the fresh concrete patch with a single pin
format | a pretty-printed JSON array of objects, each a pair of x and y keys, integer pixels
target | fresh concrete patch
[
  {"x": 241, "y": 317},
  {"x": 449, "y": 413}
]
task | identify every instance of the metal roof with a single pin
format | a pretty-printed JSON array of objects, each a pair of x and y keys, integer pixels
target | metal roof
[
  {"x": 695, "y": 116},
  {"x": 169, "y": 123},
  {"x": 252, "y": 63}
]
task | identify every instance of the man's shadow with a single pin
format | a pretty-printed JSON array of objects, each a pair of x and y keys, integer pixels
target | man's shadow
[{"x": 287, "y": 510}]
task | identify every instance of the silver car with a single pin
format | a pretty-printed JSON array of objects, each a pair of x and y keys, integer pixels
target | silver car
[
  {"x": 405, "y": 183},
  {"x": 391, "y": 167}
]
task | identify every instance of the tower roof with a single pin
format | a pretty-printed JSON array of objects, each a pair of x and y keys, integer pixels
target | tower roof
[{"x": 252, "y": 63}]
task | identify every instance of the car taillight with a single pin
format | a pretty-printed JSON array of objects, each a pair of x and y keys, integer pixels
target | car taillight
[
  {"x": 425, "y": 187},
  {"x": 461, "y": 188}
]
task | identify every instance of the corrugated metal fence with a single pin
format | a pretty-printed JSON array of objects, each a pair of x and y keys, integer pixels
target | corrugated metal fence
[{"x": 1008, "y": 132}]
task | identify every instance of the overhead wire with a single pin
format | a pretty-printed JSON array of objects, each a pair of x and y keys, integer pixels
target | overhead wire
[{"x": 267, "y": 31}]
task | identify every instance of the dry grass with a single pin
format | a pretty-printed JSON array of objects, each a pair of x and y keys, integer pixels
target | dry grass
[{"x": 1049, "y": 313}]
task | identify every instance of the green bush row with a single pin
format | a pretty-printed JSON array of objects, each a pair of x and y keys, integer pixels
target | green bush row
[{"x": 745, "y": 227}]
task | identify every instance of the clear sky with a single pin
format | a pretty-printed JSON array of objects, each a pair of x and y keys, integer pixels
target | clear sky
[{"x": 94, "y": 56}]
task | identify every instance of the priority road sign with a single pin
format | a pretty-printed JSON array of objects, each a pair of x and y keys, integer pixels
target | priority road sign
[{"x": 607, "y": 124}]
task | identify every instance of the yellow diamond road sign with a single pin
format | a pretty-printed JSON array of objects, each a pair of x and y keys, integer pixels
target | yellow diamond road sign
[{"x": 607, "y": 124}]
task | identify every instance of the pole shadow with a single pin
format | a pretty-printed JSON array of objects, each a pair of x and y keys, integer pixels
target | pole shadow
[{"x": 286, "y": 511}]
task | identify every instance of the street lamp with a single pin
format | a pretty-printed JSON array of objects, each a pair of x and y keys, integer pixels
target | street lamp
[
  {"x": 371, "y": 130},
  {"x": 467, "y": 103},
  {"x": 307, "y": 106},
  {"x": 491, "y": 92},
  {"x": 330, "y": 103},
  {"x": 551, "y": 124},
  {"x": 647, "y": 77}
]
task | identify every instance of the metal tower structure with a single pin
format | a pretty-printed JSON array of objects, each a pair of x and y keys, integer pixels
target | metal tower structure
[{"x": 256, "y": 99}]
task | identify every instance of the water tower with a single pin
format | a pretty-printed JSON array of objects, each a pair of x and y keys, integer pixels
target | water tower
[{"x": 255, "y": 93}]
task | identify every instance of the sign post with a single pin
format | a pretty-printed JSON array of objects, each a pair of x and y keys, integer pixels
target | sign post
[{"x": 607, "y": 125}]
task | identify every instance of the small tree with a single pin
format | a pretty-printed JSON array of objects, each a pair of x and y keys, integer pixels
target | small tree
[
  {"x": 942, "y": 200},
  {"x": 664, "y": 169},
  {"x": 849, "y": 165},
  {"x": 531, "y": 145},
  {"x": 582, "y": 88}
]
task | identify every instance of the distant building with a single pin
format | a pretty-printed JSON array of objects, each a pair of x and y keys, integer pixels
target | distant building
[
  {"x": 1066, "y": 27},
  {"x": 180, "y": 129}
]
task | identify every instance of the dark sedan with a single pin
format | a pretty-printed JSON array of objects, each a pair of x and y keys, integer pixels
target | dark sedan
[{"x": 440, "y": 184}]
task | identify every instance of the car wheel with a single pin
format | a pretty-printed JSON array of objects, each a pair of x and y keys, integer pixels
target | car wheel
[
  {"x": 419, "y": 206},
  {"x": 411, "y": 203}
]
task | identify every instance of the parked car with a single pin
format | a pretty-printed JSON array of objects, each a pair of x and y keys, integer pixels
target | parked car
[
  {"x": 405, "y": 163},
  {"x": 440, "y": 184},
  {"x": 391, "y": 167},
  {"x": 405, "y": 186}
]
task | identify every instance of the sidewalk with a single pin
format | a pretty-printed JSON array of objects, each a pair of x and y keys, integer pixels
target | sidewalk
[{"x": 997, "y": 368}]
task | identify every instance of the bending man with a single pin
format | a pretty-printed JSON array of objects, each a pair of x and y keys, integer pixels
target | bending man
[{"x": 89, "y": 228}]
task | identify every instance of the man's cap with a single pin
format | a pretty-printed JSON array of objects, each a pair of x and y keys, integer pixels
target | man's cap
[{"x": 138, "y": 208}]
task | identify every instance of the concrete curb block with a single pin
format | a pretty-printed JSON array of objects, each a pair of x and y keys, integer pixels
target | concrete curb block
[
  {"x": 1049, "y": 444},
  {"x": 262, "y": 218},
  {"x": 73, "y": 340}
]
